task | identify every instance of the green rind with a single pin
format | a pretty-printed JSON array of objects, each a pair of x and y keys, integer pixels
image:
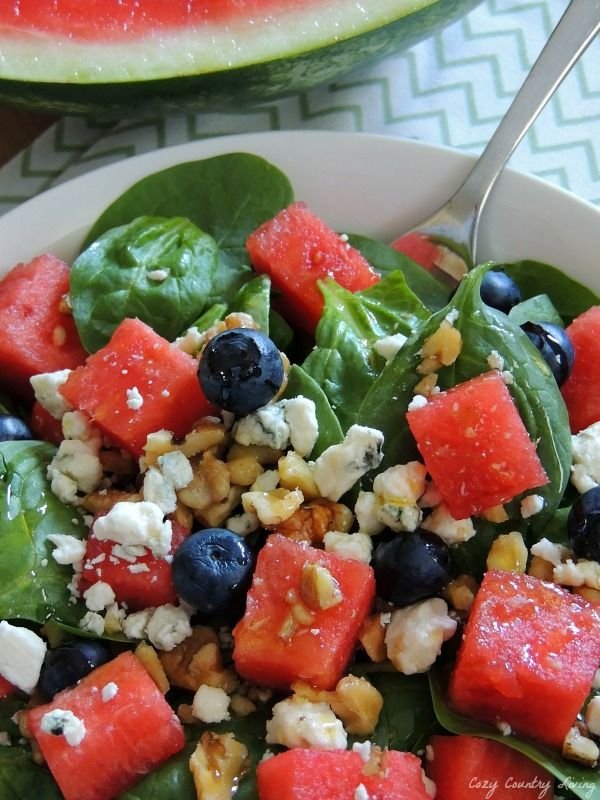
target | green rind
[{"x": 227, "y": 88}]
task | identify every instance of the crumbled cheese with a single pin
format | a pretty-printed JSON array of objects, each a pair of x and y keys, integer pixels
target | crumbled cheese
[
  {"x": 360, "y": 793},
  {"x": 418, "y": 401},
  {"x": 357, "y": 546},
  {"x": 504, "y": 728},
  {"x": 301, "y": 416},
  {"x": 134, "y": 625},
  {"x": 592, "y": 716},
  {"x": 46, "y": 387},
  {"x": 113, "y": 619},
  {"x": 416, "y": 633},
  {"x": 136, "y": 524},
  {"x": 5, "y": 739},
  {"x": 495, "y": 361},
  {"x": 22, "y": 654},
  {"x": 67, "y": 549},
  {"x": 77, "y": 425},
  {"x": 127, "y": 552},
  {"x": 134, "y": 399},
  {"x": 532, "y": 504},
  {"x": 191, "y": 341},
  {"x": 402, "y": 484},
  {"x": 159, "y": 275},
  {"x": 365, "y": 510},
  {"x": 168, "y": 626},
  {"x": 452, "y": 316},
  {"x": 243, "y": 524},
  {"x": 338, "y": 468},
  {"x": 452, "y": 531},
  {"x": 389, "y": 346},
  {"x": 550, "y": 551},
  {"x": 267, "y": 426},
  {"x": 62, "y": 722},
  {"x": 299, "y": 723},
  {"x": 580, "y": 573},
  {"x": 99, "y": 596},
  {"x": 109, "y": 691},
  {"x": 577, "y": 747},
  {"x": 156, "y": 489},
  {"x": 92, "y": 622},
  {"x": 75, "y": 468},
  {"x": 585, "y": 472},
  {"x": 176, "y": 468},
  {"x": 136, "y": 569},
  {"x": 210, "y": 704},
  {"x": 363, "y": 749},
  {"x": 399, "y": 518}
]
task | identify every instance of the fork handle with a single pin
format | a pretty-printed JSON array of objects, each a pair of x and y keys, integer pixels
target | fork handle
[{"x": 574, "y": 32}]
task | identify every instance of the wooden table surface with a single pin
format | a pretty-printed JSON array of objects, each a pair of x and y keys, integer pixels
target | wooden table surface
[{"x": 18, "y": 129}]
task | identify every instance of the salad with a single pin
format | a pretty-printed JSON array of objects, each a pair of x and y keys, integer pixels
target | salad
[{"x": 280, "y": 510}]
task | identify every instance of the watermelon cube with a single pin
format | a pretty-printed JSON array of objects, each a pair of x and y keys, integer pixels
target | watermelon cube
[
  {"x": 137, "y": 384},
  {"x": 475, "y": 445},
  {"x": 121, "y": 728},
  {"x": 274, "y": 644},
  {"x": 36, "y": 335},
  {"x": 302, "y": 774},
  {"x": 296, "y": 249},
  {"x": 470, "y": 768},
  {"x": 528, "y": 656},
  {"x": 581, "y": 390}
]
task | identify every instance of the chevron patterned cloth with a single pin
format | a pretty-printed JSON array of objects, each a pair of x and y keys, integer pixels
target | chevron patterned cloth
[{"x": 451, "y": 90}]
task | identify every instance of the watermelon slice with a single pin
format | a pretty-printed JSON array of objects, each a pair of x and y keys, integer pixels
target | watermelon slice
[{"x": 107, "y": 54}]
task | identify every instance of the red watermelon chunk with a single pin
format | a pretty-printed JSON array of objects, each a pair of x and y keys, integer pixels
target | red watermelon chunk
[
  {"x": 581, "y": 390},
  {"x": 36, "y": 335},
  {"x": 138, "y": 358},
  {"x": 146, "y": 582},
  {"x": 470, "y": 768},
  {"x": 475, "y": 445},
  {"x": 528, "y": 656},
  {"x": 302, "y": 774},
  {"x": 269, "y": 648},
  {"x": 128, "y": 732},
  {"x": 6, "y": 688},
  {"x": 296, "y": 249}
]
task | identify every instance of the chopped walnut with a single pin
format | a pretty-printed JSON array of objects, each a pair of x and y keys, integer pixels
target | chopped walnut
[
  {"x": 152, "y": 664},
  {"x": 313, "y": 520},
  {"x": 207, "y": 434},
  {"x": 318, "y": 588},
  {"x": 198, "y": 660},
  {"x": 102, "y": 501},
  {"x": 372, "y": 638},
  {"x": 217, "y": 765},
  {"x": 295, "y": 473},
  {"x": 354, "y": 700}
]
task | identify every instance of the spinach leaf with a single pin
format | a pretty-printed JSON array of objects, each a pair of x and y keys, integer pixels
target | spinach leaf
[
  {"x": 231, "y": 274},
  {"x": 535, "y": 309},
  {"x": 300, "y": 383},
  {"x": 254, "y": 298},
  {"x": 34, "y": 586},
  {"x": 583, "y": 783},
  {"x": 344, "y": 362},
  {"x": 570, "y": 297},
  {"x": 115, "y": 278},
  {"x": 385, "y": 259},
  {"x": 22, "y": 779},
  {"x": 483, "y": 331},
  {"x": 227, "y": 196},
  {"x": 279, "y": 331}
]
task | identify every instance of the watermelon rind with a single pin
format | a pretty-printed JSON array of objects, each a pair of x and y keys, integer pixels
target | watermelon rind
[{"x": 213, "y": 69}]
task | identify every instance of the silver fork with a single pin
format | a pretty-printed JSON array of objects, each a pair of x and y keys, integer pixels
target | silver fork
[{"x": 455, "y": 225}]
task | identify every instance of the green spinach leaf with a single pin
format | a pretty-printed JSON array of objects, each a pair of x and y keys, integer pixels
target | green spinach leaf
[
  {"x": 22, "y": 779},
  {"x": 385, "y": 259},
  {"x": 34, "y": 586},
  {"x": 344, "y": 362},
  {"x": 535, "y": 309},
  {"x": 570, "y": 297},
  {"x": 581, "y": 782},
  {"x": 116, "y": 277},
  {"x": 227, "y": 196},
  {"x": 484, "y": 331},
  {"x": 254, "y": 298}
]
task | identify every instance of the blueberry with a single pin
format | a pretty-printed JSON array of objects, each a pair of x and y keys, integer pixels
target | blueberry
[
  {"x": 583, "y": 525},
  {"x": 240, "y": 370},
  {"x": 410, "y": 567},
  {"x": 68, "y": 663},
  {"x": 555, "y": 347},
  {"x": 13, "y": 429},
  {"x": 498, "y": 290},
  {"x": 212, "y": 571}
]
